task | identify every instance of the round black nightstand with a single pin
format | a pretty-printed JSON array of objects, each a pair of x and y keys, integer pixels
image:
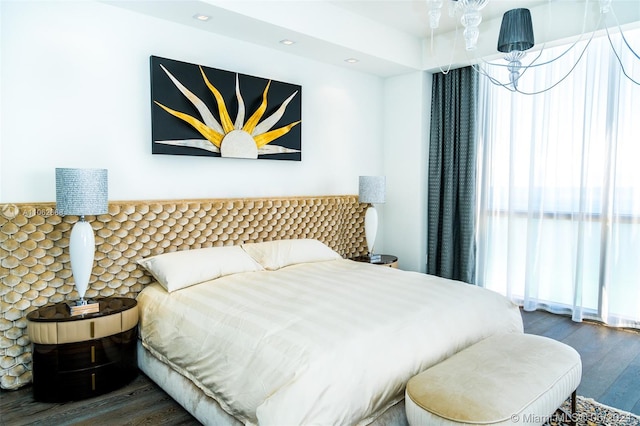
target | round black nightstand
[
  {"x": 384, "y": 259},
  {"x": 81, "y": 356}
]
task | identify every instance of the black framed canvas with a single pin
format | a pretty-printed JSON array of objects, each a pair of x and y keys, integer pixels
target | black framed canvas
[{"x": 202, "y": 111}]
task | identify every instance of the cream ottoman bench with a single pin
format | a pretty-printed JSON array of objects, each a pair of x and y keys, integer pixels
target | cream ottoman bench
[{"x": 508, "y": 378}]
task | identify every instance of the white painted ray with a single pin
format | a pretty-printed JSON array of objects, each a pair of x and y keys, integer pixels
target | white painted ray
[
  {"x": 240, "y": 117},
  {"x": 206, "y": 115},
  {"x": 275, "y": 149},
  {"x": 192, "y": 143},
  {"x": 208, "y": 146},
  {"x": 270, "y": 121}
]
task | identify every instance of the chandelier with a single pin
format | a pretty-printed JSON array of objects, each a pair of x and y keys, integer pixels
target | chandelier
[
  {"x": 470, "y": 17},
  {"x": 516, "y": 37}
]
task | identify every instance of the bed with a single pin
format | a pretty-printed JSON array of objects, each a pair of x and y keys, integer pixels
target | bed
[{"x": 289, "y": 333}]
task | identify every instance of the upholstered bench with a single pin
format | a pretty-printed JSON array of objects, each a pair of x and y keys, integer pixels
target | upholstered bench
[{"x": 508, "y": 378}]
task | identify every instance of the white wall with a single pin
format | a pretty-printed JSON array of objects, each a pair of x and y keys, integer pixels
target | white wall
[
  {"x": 75, "y": 93},
  {"x": 407, "y": 119}
]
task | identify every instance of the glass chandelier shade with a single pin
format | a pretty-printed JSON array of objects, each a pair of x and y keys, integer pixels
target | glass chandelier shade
[
  {"x": 470, "y": 17},
  {"x": 435, "y": 11}
]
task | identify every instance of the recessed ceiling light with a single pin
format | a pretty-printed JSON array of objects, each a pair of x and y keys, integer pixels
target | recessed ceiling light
[
  {"x": 287, "y": 42},
  {"x": 201, "y": 17},
  {"x": 352, "y": 60}
]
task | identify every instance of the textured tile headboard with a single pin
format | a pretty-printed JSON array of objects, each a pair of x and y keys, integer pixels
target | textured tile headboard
[{"x": 34, "y": 255}]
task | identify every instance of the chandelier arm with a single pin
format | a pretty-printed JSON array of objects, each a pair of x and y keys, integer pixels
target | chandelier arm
[
  {"x": 626, "y": 42},
  {"x": 579, "y": 39},
  {"x": 628, "y": 46},
  {"x": 532, "y": 64},
  {"x": 559, "y": 81},
  {"x": 615, "y": 17},
  {"x": 615, "y": 52},
  {"x": 493, "y": 80},
  {"x": 455, "y": 42},
  {"x": 497, "y": 82}
]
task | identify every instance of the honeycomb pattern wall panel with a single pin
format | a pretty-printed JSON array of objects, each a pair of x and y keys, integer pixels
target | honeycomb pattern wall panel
[{"x": 34, "y": 249}]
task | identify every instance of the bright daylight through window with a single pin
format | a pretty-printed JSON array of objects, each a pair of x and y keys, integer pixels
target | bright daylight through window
[{"x": 558, "y": 211}]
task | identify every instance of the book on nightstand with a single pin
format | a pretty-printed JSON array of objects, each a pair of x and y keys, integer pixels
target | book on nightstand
[{"x": 88, "y": 308}]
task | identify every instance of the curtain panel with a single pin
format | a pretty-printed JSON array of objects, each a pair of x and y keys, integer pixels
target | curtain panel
[
  {"x": 559, "y": 189},
  {"x": 452, "y": 175}
]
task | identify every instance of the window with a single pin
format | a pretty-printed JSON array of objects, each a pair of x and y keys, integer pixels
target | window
[{"x": 558, "y": 212}]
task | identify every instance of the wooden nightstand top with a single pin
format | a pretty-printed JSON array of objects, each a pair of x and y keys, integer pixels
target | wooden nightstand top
[
  {"x": 61, "y": 312},
  {"x": 385, "y": 259},
  {"x": 54, "y": 324}
]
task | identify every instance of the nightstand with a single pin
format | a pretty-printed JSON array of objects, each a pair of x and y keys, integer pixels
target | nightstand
[
  {"x": 76, "y": 357},
  {"x": 385, "y": 259}
]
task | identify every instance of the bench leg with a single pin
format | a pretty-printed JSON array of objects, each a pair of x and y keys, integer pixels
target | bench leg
[{"x": 572, "y": 420}]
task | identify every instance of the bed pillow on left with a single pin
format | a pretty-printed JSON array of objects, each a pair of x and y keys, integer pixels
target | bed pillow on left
[{"x": 180, "y": 269}]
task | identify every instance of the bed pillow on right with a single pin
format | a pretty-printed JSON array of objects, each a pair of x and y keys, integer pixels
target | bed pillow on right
[{"x": 273, "y": 255}]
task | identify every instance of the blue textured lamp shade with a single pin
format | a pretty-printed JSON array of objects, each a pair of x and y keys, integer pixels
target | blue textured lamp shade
[
  {"x": 81, "y": 192},
  {"x": 516, "y": 31},
  {"x": 372, "y": 189}
]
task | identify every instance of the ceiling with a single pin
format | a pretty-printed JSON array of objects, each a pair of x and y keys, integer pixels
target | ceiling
[
  {"x": 411, "y": 16},
  {"x": 386, "y": 37}
]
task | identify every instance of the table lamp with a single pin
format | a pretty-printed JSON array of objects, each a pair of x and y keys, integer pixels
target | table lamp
[
  {"x": 81, "y": 192},
  {"x": 371, "y": 190}
]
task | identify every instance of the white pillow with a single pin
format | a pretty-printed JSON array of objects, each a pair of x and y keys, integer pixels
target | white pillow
[
  {"x": 273, "y": 255},
  {"x": 180, "y": 269}
]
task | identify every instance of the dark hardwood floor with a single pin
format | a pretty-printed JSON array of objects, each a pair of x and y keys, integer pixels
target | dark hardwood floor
[
  {"x": 610, "y": 357},
  {"x": 611, "y": 375},
  {"x": 141, "y": 402}
]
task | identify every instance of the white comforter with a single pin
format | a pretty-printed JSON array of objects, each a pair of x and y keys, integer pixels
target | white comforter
[{"x": 326, "y": 343}]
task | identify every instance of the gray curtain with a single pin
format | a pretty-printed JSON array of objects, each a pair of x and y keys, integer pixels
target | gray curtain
[{"x": 452, "y": 175}]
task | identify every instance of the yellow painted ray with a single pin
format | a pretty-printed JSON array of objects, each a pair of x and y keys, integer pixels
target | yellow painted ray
[
  {"x": 265, "y": 138},
  {"x": 211, "y": 135},
  {"x": 253, "y": 121},
  {"x": 227, "y": 124}
]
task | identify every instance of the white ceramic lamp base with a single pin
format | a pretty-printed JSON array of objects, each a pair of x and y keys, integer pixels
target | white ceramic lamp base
[
  {"x": 371, "y": 227},
  {"x": 82, "y": 247}
]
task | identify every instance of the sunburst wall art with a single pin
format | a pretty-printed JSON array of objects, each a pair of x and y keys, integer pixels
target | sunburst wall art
[{"x": 196, "y": 110}]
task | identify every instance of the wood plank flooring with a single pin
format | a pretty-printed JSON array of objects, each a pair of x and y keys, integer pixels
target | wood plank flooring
[
  {"x": 141, "y": 402},
  {"x": 611, "y": 375},
  {"x": 610, "y": 357}
]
